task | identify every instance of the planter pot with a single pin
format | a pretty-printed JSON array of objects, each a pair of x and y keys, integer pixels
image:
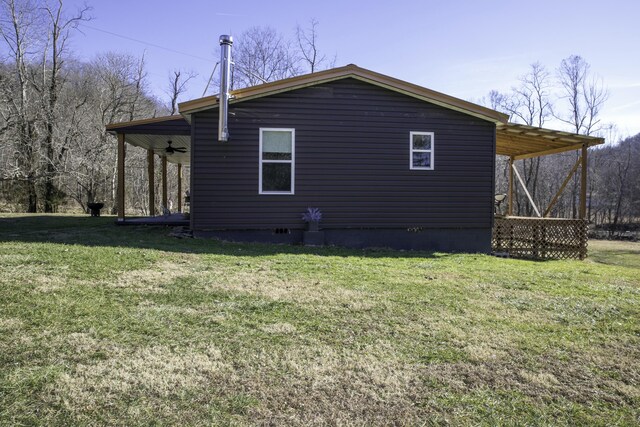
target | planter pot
[
  {"x": 313, "y": 226},
  {"x": 94, "y": 208},
  {"x": 313, "y": 238}
]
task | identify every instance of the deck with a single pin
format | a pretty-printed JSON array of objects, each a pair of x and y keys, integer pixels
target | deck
[{"x": 176, "y": 219}]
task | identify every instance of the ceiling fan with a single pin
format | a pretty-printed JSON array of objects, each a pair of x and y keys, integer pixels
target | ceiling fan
[{"x": 171, "y": 150}]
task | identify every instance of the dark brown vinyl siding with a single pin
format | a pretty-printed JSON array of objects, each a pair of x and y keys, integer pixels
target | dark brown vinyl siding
[{"x": 351, "y": 161}]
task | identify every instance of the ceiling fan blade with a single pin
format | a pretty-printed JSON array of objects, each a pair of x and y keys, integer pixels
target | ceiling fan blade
[{"x": 180, "y": 150}]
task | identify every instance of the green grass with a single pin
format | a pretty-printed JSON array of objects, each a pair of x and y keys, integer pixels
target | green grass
[{"x": 111, "y": 325}]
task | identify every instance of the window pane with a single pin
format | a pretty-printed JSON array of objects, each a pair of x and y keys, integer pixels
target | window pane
[
  {"x": 276, "y": 145},
  {"x": 421, "y": 159},
  {"x": 421, "y": 142},
  {"x": 276, "y": 177}
]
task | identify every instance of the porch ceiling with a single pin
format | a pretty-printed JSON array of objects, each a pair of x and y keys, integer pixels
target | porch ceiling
[
  {"x": 523, "y": 142},
  {"x": 153, "y": 134},
  {"x": 158, "y": 143}
]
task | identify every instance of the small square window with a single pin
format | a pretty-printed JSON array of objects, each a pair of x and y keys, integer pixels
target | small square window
[{"x": 421, "y": 150}]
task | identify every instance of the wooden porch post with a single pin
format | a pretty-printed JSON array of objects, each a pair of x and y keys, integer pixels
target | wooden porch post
[
  {"x": 583, "y": 184},
  {"x": 152, "y": 187},
  {"x": 120, "y": 191},
  {"x": 164, "y": 182},
  {"x": 510, "y": 189},
  {"x": 179, "y": 187}
]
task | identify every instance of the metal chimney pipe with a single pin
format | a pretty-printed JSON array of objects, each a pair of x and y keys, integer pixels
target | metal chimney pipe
[{"x": 225, "y": 76}]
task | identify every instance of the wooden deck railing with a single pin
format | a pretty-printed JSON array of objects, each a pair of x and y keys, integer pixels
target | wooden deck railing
[{"x": 540, "y": 238}]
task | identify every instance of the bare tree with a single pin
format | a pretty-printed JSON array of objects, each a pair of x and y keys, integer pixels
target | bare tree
[
  {"x": 533, "y": 103},
  {"x": 113, "y": 87},
  {"x": 36, "y": 35},
  {"x": 59, "y": 29},
  {"x": 533, "y": 100},
  {"x": 139, "y": 86},
  {"x": 262, "y": 55},
  {"x": 307, "y": 42},
  {"x": 178, "y": 81},
  {"x": 19, "y": 31},
  {"x": 585, "y": 95}
]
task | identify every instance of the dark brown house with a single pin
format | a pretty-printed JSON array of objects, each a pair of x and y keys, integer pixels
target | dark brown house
[{"x": 388, "y": 163}]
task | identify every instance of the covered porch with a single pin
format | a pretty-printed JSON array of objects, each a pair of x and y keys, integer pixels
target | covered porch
[
  {"x": 541, "y": 237},
  {"x": 168, "y": 138}
]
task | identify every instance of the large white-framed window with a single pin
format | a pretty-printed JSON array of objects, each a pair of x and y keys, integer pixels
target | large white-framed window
[
  {"x": 277, "y": 161},
  {"x": 421, "y": 148}
]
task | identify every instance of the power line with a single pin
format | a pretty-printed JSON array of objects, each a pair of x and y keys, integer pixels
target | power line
[
  {"x": 146, "y": 43},
  {"x": 173, "y": 51}
]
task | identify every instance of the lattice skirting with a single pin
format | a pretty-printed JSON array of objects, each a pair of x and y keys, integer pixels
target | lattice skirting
[{"x": 540, "y": 238}]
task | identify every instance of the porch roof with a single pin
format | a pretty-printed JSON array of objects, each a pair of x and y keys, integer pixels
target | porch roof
[
  {"x": 523, "y": 142},
  {"x": 153, "y": 134}
]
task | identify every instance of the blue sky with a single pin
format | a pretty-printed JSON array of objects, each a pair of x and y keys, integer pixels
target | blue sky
[{"x": 462, "y": 48}]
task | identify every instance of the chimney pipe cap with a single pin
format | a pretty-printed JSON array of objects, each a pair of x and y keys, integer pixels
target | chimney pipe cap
[{"x": 225, "y": 39}]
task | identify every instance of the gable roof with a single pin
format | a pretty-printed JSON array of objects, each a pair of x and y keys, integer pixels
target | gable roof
[{"x": 350, "y": 71}]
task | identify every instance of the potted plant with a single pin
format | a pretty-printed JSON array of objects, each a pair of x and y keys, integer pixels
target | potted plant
[{"x": 312, "y": 217}]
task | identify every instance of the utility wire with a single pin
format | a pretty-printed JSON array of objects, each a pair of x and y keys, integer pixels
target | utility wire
[
  {"x": 145, "y": 43},
  {"x": 174, "y": 51}
]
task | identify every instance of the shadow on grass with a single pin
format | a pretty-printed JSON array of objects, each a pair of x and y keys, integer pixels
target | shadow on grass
[
  {"x": 617, "y": 258},
  {"x": 103, "y": 232}
]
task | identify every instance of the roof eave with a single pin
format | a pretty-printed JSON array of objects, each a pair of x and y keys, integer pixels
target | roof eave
[{"x": 113, "y": 127}]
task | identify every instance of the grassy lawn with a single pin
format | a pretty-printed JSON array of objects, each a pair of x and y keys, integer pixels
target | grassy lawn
[{"x": 127, "y": 326}]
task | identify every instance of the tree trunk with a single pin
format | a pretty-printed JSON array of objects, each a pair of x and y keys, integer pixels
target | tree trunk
[
  {"x": 32, "y": 195},
  {"x": 49, "y": 193}
]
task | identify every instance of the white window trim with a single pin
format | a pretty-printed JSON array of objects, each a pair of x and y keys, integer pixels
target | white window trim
[
  {"x": 292, "y": 162},
  {"x": 411, "y": 151}
]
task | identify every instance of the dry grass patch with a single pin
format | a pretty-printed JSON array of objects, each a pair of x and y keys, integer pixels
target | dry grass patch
[
  {"x": 150, "y": 306},
  {"x": 279, "y": 328},
  {"x": 47, "y": 284},
  {"x": 271, "y": 285},
  {"x": 151, "y": 279},
  {"x": 84, "y": 345},
  {"x": 545, "y": 377},
  {"x": 150, "y": 376},
  {"x": 342, "y": 387},
  {"x": 11, "y": 323},
  {"x": 483, "y": 352}
]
